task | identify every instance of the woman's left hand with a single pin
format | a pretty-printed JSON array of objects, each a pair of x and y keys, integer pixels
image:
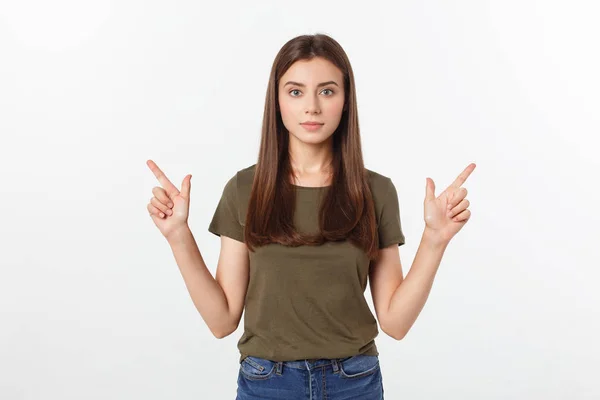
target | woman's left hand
[{"x": 446, "y": 214}]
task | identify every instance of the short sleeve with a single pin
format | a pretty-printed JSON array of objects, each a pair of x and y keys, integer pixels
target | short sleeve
[
  {"x": 225, "y": 220},
  {"x": 390, "y": 228}
]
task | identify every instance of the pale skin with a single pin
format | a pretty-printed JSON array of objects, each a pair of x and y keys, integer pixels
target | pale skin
[
  {"x": 311, "y": 91},
  {"x": 397, "y": 301},
  {"x": 219, "y": 300}
]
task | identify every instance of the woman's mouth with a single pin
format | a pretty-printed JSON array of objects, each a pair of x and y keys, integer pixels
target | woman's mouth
[{"x": 312, "y": 126}]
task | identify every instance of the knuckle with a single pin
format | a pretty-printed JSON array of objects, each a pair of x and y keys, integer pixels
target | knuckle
[
  {"x": 158, "y": 204},
  {"x": 158, "y": 192}
]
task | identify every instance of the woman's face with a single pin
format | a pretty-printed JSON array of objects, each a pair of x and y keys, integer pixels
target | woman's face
[{"x": 311, "y": 91}]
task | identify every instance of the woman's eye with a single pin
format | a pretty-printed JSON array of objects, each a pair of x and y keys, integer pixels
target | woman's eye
[{"x": 296, "y": 90}]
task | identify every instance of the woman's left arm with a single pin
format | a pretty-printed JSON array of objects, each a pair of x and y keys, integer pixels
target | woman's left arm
[{"x": 398, "y": 301}]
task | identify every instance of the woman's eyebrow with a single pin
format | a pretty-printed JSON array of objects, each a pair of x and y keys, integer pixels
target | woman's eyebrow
[{"x": 303, "y": 85}]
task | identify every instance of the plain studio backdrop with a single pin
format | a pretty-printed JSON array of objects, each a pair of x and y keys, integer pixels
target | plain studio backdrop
[{"x": 92, "y": 303}]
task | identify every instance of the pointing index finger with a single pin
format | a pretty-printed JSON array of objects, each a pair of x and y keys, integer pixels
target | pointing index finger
[
  {"x": 162, "y": 178},
  {"x": 463, "y": 176}
]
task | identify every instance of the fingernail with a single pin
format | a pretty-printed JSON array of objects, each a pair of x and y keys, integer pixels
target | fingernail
[
  {"x": 169, "y": 212},
  {"x": 162, "y": 215},
  {"x": 170, "y": 204}
]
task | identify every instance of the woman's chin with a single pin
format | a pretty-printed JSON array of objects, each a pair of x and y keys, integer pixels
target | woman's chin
[{"x": 311, "y": 138}]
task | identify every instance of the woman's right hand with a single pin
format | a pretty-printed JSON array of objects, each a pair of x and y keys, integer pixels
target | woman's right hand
[{"x": 169, "y": 208}]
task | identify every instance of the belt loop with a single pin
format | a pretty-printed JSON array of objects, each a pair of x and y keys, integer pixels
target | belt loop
[
  {"x": 335, "y": 365},
  {"x": 279, "y": 367}
]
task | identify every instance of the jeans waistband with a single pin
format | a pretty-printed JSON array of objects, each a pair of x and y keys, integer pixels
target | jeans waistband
[{"x": 309, "y": 364}]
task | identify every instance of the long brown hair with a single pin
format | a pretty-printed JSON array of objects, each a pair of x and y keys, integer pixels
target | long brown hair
[{"x": 347, "y": 211}]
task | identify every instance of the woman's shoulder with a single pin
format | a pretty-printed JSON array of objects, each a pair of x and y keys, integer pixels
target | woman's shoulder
[
  {"x": 240, "y": 183},
  {"x": 379, "y": 183},
  {"x": 245, "y": 175},
  {"x": 375, "y": 176},
  {"x": 248, "y": 170}
]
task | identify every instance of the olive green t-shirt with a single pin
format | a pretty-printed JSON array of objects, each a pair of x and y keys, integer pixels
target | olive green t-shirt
[{"x": 307, "y": 302}]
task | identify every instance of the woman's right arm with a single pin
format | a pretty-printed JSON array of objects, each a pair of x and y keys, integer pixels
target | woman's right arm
[{"x": 219, "y": 301}]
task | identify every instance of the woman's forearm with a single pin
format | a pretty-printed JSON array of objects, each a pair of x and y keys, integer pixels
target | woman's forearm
[
  {"x": 410, "y": 296},
  {"x": 206, "y": 293}
]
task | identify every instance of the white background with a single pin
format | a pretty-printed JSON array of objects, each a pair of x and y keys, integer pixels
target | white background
[{"x": 92, "y": 303}]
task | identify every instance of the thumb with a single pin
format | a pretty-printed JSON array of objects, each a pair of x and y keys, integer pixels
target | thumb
[
  {"x": 186, "y": 186},
  {"x": 429, "y": 189}
]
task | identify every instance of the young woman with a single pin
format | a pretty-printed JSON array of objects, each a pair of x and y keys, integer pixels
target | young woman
[{"x": 302, "y": 231}]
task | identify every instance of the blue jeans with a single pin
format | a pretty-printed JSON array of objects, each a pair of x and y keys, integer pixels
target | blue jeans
[{"x": 356, "y": 377}]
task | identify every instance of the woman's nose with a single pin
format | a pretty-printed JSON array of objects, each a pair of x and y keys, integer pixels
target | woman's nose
[{"x": 313, "y": 106}]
